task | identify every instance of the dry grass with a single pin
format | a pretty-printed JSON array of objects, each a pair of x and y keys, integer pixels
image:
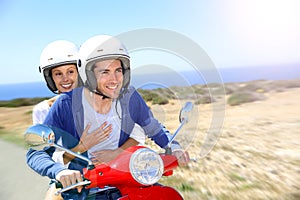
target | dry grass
[{"x": 257, "y": 155}]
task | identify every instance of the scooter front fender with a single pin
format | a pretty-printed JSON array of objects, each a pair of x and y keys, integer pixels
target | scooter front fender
[{"x": 150, "y": 193}]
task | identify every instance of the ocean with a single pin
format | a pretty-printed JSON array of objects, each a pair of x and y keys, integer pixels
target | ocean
[
  {"x": 153, "y": 80},
  {"x": 24, "y": 90}
]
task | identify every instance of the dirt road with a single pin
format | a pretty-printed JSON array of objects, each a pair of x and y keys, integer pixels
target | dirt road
[{"x": 18, "y": 181}]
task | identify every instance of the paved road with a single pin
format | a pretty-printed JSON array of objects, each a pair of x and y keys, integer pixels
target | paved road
[{"x": 18, "y": 181}]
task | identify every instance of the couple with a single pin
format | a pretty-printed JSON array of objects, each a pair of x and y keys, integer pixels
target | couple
[{"x": 103, "y": 113}]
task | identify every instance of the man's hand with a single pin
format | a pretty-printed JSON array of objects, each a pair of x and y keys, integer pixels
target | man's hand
[
  {"x": 69, "y": 177},
  {"x": 105, "y": 156}
]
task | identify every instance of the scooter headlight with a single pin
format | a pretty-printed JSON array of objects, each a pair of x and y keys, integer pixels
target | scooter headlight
[{"x": 146, "y": 166}]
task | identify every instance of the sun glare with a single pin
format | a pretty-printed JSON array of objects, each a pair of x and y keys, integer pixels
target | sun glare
[{"x": 268, "y": 29}]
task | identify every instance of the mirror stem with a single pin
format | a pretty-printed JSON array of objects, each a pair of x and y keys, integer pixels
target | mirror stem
[
  {"x": 74, "y": 154},
  {"x": 177, "y": 131}
]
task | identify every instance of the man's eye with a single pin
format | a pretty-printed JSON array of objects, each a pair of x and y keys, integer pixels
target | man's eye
[{"x": 100, "y": 73}]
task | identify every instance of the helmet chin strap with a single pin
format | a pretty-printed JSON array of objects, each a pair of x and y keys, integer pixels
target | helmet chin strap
[{"x": 101, "y": 94}]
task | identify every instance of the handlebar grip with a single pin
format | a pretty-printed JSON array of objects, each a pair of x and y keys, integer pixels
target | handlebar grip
[{"x": 58, "y": 184}]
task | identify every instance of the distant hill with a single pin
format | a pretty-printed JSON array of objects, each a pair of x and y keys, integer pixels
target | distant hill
[
  {"x": 238, "y": 92},
  {"x": 170, "y": 78}
]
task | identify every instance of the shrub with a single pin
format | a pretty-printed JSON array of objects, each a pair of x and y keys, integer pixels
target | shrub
[
  {"x": 256, "y": 87},
  {"x": 205, "y": 99},
  {"x": 198, "y": 89},
  {"x": 165, "y": 92},
  {"x": 160, "y": 100},
  {"x": 184, "y": 187},
  {"x": 21, "y": 102},
  {"x": 238, "y": 98},
  {"x": 230, "y": 88},
  {"x": 148, "y": 95},
  {"x": 294, "y": 83}
]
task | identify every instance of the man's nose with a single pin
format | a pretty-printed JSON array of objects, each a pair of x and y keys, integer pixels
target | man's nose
[{"x": 113, "y": 77}]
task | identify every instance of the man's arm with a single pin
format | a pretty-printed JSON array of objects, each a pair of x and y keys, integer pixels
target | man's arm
[{"x": 41, "y": 162}]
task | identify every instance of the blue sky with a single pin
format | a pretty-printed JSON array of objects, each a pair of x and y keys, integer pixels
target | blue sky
[{"x": 233, "y": 33}]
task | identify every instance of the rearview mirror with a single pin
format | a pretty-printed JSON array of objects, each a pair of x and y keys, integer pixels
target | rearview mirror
[
  {"x": 39, "y": 136},
  {"x": 183, "y": 118},
  {"x": 185, "y": 109}
]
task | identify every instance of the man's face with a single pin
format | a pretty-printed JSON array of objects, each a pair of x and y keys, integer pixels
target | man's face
[{"x": 109, "y": 75}]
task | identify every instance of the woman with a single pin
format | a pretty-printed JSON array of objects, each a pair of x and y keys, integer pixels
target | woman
[{"x": 58, "y": 64}]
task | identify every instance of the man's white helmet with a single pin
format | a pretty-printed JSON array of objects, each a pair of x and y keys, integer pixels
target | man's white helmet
[
  {"x": 57, "y": 53},
  {"x": 98, "y": 48}
]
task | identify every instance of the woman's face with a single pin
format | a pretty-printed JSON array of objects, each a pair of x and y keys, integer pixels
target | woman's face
[
  {"x": 65, "y": 77},
  {"x": 109, "y": 75}
]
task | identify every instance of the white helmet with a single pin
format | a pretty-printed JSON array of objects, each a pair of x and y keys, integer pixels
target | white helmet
[
  {"x": 97, "y": 48},
  {"x": 57, "y": 53}
]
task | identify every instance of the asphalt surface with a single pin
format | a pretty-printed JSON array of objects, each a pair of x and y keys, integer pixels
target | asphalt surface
[{"x": 17, "y": 180}]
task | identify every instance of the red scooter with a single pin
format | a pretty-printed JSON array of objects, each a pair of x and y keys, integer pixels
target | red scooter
[{"x": 135, "y": 172}]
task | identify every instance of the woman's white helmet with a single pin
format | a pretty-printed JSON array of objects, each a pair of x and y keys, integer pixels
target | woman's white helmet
[
  {"x": 57, "y": 53},
  {"x": 98, "y": 48}
]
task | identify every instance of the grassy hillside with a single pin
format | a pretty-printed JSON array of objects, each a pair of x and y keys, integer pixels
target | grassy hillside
[{"x": 21, "y": 102}]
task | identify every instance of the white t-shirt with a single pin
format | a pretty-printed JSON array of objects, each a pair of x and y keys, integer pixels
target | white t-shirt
[
  {"x": 40, "y": 112},
  {"x": 113, "y": 117}
]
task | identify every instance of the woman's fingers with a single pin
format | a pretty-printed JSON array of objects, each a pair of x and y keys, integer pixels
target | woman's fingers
[
  {"x": 100, "y": 134},
  {"x": 103, "y": 125},
  {"x": 106, "y": 131},
  {"x": 88, "y": 126}
]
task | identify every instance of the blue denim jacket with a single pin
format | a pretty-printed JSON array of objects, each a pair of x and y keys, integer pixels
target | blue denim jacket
[{"x": 67, "y": 114}]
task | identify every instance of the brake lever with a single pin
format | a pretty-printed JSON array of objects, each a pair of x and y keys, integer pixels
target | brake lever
[{"x": 82, "y": 183}]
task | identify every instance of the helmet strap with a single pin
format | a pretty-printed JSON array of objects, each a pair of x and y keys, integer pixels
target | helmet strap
[
  {"x": 96, "y": 91},
  {"x": 101, "y": 94}
]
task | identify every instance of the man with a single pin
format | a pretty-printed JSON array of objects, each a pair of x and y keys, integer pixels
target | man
[{"x": 107, "y": 101}]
